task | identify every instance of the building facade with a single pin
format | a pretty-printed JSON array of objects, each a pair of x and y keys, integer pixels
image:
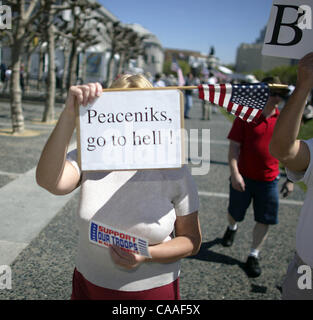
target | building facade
[
  {"x": 199, "y": 62},
  {"x": 153, "y": 59},
  {"x": 249, "y": 57},
  {"x": 93, "y": 60}
]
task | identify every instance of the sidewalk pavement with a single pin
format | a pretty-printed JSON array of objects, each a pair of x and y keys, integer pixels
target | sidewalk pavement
[{"x": 24, "y": 210}]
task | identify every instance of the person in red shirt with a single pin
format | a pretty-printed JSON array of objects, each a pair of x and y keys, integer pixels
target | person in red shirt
[{"x": 254, "y": 177}]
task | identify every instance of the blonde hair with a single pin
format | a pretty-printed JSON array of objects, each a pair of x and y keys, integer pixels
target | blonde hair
[{"x": 131, "y": 81}]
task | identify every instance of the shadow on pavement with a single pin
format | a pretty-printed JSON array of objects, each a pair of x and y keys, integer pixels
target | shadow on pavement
[
  {"x": 205, "y": 254},
  {"x": 224, "y": 163},
  {"x": 258, "y": 289}
]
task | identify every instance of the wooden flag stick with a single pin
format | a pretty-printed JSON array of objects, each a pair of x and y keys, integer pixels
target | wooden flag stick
[
  {"x": 272, "y": 86},
  {"x": 277, "y": 86},
  {"x": 153, "y": 88}
]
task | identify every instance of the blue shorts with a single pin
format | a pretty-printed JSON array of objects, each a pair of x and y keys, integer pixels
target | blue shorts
[{"x": 265, "y": 201}]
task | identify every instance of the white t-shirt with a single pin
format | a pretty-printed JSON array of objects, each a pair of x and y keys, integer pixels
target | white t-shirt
[
  {"x": 144, "y": 203},
  {"x": 304, "y": 236},
  {"x": 159, "y": 83}
]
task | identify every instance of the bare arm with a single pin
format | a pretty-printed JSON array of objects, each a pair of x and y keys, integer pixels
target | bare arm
[
  {"x": 54, "y": 172},
  {"x": 284, "y": 145},
  {"x": 233, "y": 157},
  {"x": 187, "y": 242}
]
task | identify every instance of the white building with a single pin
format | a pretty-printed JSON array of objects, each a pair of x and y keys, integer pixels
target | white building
[{"x": 153, "y": 59}]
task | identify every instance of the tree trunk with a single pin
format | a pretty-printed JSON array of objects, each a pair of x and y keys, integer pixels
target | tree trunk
[
  {"x": 65, "y": 70},
  {"x": 110, "y": 71},
  {"x": 72, "y": 77},
  {"x": 27, "y": 70},
  {"x": 48, "y": 115},
  {"x": 15, "y": 88},
  {"x": 40, "y": 69},
  {"x": 84, "y": 67},
  {"x": 121, "y": 63}
]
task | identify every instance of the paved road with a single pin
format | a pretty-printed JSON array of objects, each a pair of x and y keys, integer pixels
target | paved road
[{"x": 38, "y": 232}]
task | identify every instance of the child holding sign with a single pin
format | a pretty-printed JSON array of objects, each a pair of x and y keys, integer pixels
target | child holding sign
[{"x": 134, "y": 226}]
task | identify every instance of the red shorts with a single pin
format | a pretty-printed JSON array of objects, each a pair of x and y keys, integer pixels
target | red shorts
[{"x": 82, "y": 289}]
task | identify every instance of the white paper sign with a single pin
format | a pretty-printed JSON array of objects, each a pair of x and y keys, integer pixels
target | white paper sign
[
  {"x": 289, "y": 31},
  {"x": 128, "y": 130}
]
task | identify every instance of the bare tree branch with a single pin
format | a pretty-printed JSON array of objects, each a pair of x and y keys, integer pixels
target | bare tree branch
[{"x": 30, "y": 10}]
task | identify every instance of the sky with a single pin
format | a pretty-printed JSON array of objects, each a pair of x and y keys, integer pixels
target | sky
[{"x": 197, "y": 24}]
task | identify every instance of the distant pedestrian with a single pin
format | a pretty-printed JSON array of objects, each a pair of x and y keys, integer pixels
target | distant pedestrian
[
  {"x": 158, "y": 82},
  {"x": 254, "y": 177},
  {"x": 188, "y": 95},
  {"x": 212, "y": 80},
  {"x": 158, "y": 205},
  {"x": 22, "y": 80},
  {"x": 8, "y": 73},
  {"x": 3, "y": 69},
  {"x": 297, "y": 157},
  {"x": 206, "y": 105},
  {"x": 58, "y": 77},
  {"x": 149, "y": 77},
  {"x": 7, "y": 78}
]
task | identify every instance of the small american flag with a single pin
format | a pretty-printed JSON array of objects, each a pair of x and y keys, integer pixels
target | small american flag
[
  {"x": 176, "y": 68},
  {"x": 244, "y": 101},
  {"x": 174, "y": 65}
]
